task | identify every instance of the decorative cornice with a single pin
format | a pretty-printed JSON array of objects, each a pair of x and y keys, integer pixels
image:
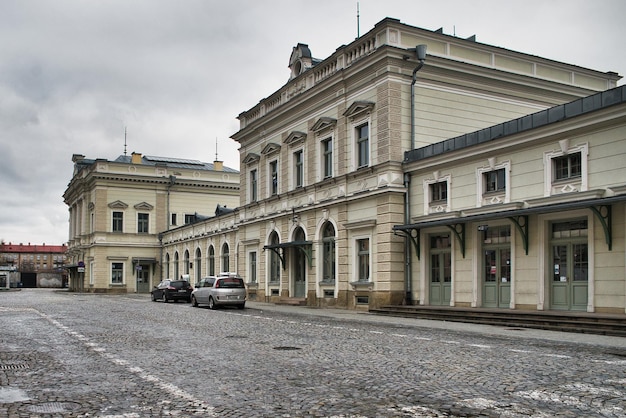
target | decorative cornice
[
  {"x": 270, "y": 148},
  {"x": 143, "y": 206},
  {"x": 251, "y": 158},
  {"x": 118, "y": 204},
  {"x": 295, "y": 137},
  {"x": 324, "y": 123}
]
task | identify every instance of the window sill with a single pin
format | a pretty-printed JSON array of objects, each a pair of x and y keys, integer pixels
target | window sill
[{"x": 359, "y": 284}]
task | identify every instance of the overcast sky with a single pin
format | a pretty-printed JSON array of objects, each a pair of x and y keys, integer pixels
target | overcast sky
[{"x": 74, "y": 73}]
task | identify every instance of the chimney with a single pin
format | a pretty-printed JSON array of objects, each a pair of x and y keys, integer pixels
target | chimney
[
  {"x": 218, "y": 165},
  {"x": 135, "y": 158}
]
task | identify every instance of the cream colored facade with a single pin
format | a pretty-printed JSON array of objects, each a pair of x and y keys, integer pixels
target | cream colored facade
[
  {"x": 533, "y": 219},
  {"x": 324, "y": 175},
  {"x": 120, "y": 209}
]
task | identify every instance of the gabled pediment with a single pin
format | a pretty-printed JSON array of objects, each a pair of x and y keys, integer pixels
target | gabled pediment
[
  {"x": 358, "y": 107},
  {"x": 251, "y": 158},
  {"x": 270, "y": 148},
  {"x": 324, "y": 123},
  {"x": 143, "y": 206},
  {"x": 295, "y": 137},
  {"x": 118, "y": 204}
]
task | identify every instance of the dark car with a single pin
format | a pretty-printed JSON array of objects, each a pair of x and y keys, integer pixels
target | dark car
[
  {"x": 172, "y": 290},
  {"x": 227, "y": 289}
]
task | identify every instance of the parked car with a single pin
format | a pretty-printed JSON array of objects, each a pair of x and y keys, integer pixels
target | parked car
[
  {"x": 172, "y": 290},
  {"x": 227, "y": 289}
]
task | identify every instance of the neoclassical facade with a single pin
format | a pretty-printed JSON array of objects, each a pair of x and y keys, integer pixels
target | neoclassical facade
[
  {"x": 349, "y": 191},
  {"x": 120, "y": 209}
]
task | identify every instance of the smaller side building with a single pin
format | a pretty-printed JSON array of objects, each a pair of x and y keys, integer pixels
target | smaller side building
[
  {"x": 120, "y": 210},
  {"x": 33, "y": 265}
]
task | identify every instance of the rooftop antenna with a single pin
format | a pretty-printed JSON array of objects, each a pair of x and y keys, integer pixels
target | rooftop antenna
[
  {"x": 124, "y": 140},
  {"x": 216, "y": 159},
  {"x": 358, "y": 28}
]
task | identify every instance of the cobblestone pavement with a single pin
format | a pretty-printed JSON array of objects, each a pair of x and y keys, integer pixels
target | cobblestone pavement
[{"x": 64, "y": 354}]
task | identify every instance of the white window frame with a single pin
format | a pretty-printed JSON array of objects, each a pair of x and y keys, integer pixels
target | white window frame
[
  {"x": 355, "y": 145},
  {"x": 578, "y": 184},
  {"x": 356, "y": 262},
  {"x": 269, "y": 177},
  {"x": 294, "y": 169},
  {"x": 482, "y": 197},
  {"x": 253, "y": 271},
  {"x": 322, "y": 146},
  {"x": 429, "y": 207},
  {"x": 113, "y": 221},
  {"x": 253, "y": 187},
  {"x": 123, "y": 273},
  {"x": 148, "y": 223}
]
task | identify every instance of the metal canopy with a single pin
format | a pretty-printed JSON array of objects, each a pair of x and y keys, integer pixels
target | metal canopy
[
  {"x": 305, "y": 246},
  {"x": 601, "y": 207}
]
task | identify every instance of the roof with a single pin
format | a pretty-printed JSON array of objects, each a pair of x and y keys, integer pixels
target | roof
[
  {"x": 27, "y": 248},
  {"x": 554, "y": 114},
  {"x": 173, "y": 163}
]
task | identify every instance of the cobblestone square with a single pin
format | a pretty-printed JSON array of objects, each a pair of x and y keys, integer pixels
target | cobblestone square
[{"x": 66, "y": 354}]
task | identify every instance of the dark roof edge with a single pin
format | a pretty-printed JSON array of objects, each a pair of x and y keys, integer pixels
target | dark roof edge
[{"x": 545, "y": 117}]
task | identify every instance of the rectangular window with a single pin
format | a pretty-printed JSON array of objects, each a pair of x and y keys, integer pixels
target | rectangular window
[
  {"x": 568, "y": 166},
  {"x": 252, "y": 267},
  {"x": 363, "y": 257},
  {"x": 253, "y": 185},
  {"x": 298, "y": 165},
  {"x": 495, "y": 181},
  {"x": 143, "y": 223},
  {"x": 174, "y": 220},
  {"x": 439, "y": 191},
  {"x": 117, "y": 273},
  {"x": 362, "y": 145},
  {"x": 273, "y": 178},
  {"x": 189, "y": 219},
  {"x": 118, "y": 222},
  {"x": 327, "y": 159}
]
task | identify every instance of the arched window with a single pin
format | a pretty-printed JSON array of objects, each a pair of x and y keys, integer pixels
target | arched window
[
  {"x": 176, "y": 271},
  {"x": 274, "y": 260},
  {"x": 328, "y": 253},
  {"x": 198, "y": 264},
  {"x": 186, "y": 262},
  {"x": 225, "y": 258},
  {"x": 166, "y": 267},
  {"x": 211, "y": 261}
]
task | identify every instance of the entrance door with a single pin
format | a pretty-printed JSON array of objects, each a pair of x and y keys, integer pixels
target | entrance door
[
  {"x": 497, "y": 285},
  {"x": 440, "y": 270},
  {"x": 299, "y": 267},
  {"x": 497, "y": 267},
  {"x": 143, "y": 278},
  {"x": 570, "y": 266}
]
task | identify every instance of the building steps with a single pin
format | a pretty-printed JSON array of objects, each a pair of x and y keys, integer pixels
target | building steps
[{"x": 566, "y": 321}]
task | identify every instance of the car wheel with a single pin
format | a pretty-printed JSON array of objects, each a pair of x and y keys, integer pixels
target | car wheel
[
  {"x": 194, "y": 302},
  {"x": 212, "y": 304},
  {"x": 165, "y": 300},
  {"x": 152, "y": 297}
]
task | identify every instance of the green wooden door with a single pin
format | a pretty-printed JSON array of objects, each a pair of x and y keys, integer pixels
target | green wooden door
[
  {"x": 440, "y": 270},
  {"x": 497, "y": 278},
  {"x": 570, "y": 262}
]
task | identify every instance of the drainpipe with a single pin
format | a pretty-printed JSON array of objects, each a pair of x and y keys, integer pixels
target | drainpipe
[{"x": 420, "y": 52}]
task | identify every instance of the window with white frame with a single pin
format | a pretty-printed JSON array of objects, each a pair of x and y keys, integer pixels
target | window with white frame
[
  {"x": 225, "y": 258},
  {"x": 327, "y": 158},
  {"x": 117, "y": 273},
  {"x": 143, "y": 222},
  {"x": 252, "y": 266},
  {"x": 211, "y": 261},
  {"x": 118, "y": 222},
  {"x": 298, "y": 169},
  {"x": 273, "y": 177},
  {"x": 363, "y": 259},
  {"x": 362, "y": 150},
  {"x": 493, "y": 183},
  {"x": 437, "y": 191},
  {"x": 566, "y": 169},
  {"x": 254, "y": 179},
  {"x": 92, "y": 279}
]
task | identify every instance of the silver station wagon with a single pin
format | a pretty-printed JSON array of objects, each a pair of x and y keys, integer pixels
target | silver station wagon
[{"x": 227, "y": 289}]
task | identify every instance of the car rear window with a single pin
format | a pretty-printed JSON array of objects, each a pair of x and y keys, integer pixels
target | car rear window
[
  {"x": 231, "y": 282},
  {"x": 179, "y": 284}
]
